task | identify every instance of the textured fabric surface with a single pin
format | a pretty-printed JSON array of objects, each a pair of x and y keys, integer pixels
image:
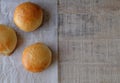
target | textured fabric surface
[{"x": 89, "y": 41}]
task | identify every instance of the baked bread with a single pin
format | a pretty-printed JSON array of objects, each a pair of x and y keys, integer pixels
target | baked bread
[
  {"x": 28, "y": 16},
  {"x": 8, "y": 40},
  {"x": 36, "y": 57}
]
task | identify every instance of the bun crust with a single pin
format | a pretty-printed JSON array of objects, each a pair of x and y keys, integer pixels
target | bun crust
[
  {"x": 8, "y": 40},
  {"x": 28, "y": 16},
  {"x": 36, "y": 57}
]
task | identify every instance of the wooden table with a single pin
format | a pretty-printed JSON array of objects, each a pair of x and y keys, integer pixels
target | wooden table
[{"x": 89, "y": 41}]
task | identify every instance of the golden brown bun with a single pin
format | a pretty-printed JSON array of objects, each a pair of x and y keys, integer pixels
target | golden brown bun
[
  {"x": 36, "y": 57},
  {"x": 8, "y": 39},
  {"x": 28, "y": 16}
]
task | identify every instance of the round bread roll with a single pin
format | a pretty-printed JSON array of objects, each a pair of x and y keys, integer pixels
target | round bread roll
[
  {"x": 28, "y": 16},
  {"x": 8, "y": 40},
  {"x": 36, "y": 57}
]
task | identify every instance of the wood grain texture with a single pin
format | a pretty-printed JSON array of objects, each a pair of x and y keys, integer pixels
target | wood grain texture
[{"x": 89, "y": 41}]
